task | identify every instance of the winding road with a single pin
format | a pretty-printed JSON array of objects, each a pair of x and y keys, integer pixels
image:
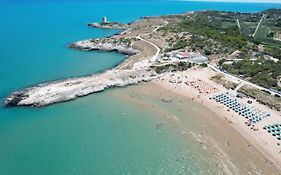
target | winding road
[
  {"x": 156, "y": 55},
  {"x": 158, "y": 50}
]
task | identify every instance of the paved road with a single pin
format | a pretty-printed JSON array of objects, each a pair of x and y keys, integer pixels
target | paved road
[{"x": 241, "y": 80}]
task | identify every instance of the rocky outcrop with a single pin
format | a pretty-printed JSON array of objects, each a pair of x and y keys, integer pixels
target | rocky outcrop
[
  {"x": 65, "y": 90},
  {"x": 107, "y": 46},
  {"x": 109, "y": 25},
  {"x": 15, "y": 98},
  {"x": 69, "y": 89},
  {"x": 127, "y": 73}
]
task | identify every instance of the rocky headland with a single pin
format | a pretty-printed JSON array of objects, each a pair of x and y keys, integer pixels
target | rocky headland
[
  {"x": 148, "y": 42},
  {"x": 107, "y": 45},
  {"x": 108, "y": 25},
  {"x": 134, "y": 69},
  {"x": 65, "y": 90}
]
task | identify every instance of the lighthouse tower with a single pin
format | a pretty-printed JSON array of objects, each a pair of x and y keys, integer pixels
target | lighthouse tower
[{"x": 104, "y": 20}]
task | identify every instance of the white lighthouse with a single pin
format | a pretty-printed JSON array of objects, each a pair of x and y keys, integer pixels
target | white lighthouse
[{"x": 104, "y": 20}]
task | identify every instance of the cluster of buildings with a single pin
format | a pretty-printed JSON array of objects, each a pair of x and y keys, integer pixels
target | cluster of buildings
[{"x": 193, "y": 57}]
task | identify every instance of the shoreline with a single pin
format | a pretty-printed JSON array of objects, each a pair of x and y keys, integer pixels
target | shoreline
[
  {"x": 142, "y": 52},
  {"x": 199, "y": 125},
  {"x": 132, "y": 70},
  {"x": 261, "y": 140},
  {"x": 143, "y": 45},
  {"x": 63, "y": 90}
]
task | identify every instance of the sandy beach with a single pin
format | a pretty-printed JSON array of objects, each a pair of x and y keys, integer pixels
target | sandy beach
[
  {"x": 257, "y": 137},
  {"x": 237, "y": 149}
]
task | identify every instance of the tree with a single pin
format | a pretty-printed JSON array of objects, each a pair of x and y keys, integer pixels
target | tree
[
  {"x": 270, "y": 35},
  {"x": 221, "y": 61}
]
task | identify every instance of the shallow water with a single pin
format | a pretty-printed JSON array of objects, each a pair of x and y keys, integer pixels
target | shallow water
[
  {"x": 97, "y": 134},
  {"x": 222, "y": 149}
]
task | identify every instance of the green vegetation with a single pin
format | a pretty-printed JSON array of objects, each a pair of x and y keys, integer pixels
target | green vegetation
[
  {"x": 274, "y": 50},
  {"x": 218, "y": 34},
  {"x": 180, "y": 44},
  {"x": 229, "y": 37},
  {"x": 203, "y": 65},
  {"x": 266, "y": 32},
  {"x": 263, "y": 30},
  {"x": 221, "y": 61},
  {"x": 126, "y": 41},
  {"x": 262, "y": 97},
  {"x": 219, "y": 78},
  {"x": 207, "y": 28},
  {"x": 207, "y": 46},
  {"x": 180, "y": 66},
  {"x": 262, "y": 72}
]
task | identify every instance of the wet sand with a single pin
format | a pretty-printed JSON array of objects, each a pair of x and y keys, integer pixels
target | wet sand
[{"x": 225, "y": 148}]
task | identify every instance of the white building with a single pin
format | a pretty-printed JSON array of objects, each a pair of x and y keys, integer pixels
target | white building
[{"x": 192, "y": 57}]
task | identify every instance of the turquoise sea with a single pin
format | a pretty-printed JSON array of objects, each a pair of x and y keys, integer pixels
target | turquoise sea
[{"x": 97, "y": 134}]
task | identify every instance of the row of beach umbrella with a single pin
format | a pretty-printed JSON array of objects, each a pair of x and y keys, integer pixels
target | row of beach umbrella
[
  {"x": 274, "y": 129},
  {"x": 252, "y": 114}
]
